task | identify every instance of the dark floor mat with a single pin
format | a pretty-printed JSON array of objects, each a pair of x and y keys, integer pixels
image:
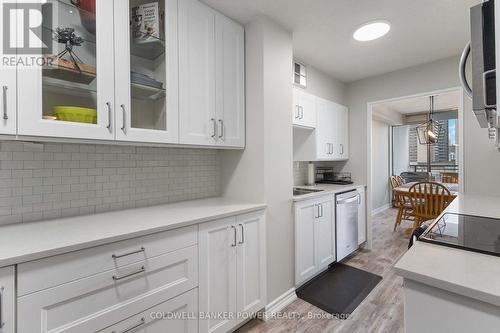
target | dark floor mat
[{"x": 339, "y": 290}]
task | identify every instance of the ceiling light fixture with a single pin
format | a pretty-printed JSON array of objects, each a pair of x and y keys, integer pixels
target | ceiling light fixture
[{"x": 372, "y": 30}]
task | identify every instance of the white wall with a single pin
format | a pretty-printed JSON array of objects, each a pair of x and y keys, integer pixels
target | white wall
[
  {"x": 323, "y": 85},
  {"x": 481, "y": 159},
  {"x": 442, "y": 74},
  {"x": 263, "y": 171},
  {"x": 400, "y": 148},
  {"x": 381, "y": 195}
]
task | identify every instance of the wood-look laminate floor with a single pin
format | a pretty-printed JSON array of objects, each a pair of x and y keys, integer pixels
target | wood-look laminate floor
[{"x": 381, "y": 311}]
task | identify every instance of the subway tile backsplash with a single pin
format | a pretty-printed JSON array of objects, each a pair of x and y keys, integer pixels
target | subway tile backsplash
[{"x": 40, "y": 181}]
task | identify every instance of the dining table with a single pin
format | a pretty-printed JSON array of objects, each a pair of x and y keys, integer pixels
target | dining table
[{"x": 404, "y": 190}]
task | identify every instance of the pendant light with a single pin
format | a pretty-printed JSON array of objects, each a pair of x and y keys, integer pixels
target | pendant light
[{"x": 428, "y": 132}]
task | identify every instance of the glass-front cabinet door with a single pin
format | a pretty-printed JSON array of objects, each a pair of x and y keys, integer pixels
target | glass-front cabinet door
[
  {"x": 7, "y": 75},
  {"x": 69, "y": 92},
  {"x": 146, "y": 70}
]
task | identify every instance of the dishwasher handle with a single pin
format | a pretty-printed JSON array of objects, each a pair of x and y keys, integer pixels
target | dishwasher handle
[{"x": 347, "y": 200}]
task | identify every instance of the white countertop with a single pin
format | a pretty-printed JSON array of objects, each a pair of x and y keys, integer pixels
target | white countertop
[
  {"x": 325, "y": 189},
  {"x": 470, "y": 274},
  {"x": 30, "y": 241}
]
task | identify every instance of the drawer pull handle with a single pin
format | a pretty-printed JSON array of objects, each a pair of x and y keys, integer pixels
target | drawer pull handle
[
  {"x": 1, "y": 308},
  {"x": 139, "y": 271},
  {"x": 116, "y": 256},
  {"x": 130, "y": 329}
]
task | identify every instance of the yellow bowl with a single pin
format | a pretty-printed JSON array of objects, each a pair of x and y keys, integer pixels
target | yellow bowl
[{"x": 75, "y": 114}]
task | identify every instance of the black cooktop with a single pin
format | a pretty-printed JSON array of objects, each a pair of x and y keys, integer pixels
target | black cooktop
[{"x": 468, "y": 232}]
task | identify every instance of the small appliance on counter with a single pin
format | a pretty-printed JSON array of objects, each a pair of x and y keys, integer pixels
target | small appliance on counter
[{"x": 326, "y": 175}]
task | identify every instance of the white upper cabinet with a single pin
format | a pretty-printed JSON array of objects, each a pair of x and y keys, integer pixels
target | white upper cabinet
[
  {"x": 304, "y": 108},
  {"x": 325, "y": 131},
  {"x": 72, "y": 95},
  {"x": 198, "y": 123},
  {"x": 329, "y": 141},
  {"x": 342, "y": 132},
  {"x": 8, "y": 101},
  {"x": 110, "y": 75},
  {"x": 211, "y": 77},
  {"x": 230, "y": 82},
  {"x": 146, "y": 72}
]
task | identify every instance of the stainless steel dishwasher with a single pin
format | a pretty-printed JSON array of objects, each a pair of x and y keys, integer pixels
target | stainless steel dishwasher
[{"x": 346, "y": 223}]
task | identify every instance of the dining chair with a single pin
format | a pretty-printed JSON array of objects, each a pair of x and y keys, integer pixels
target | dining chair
[
  {"x": 394, "y": 184},
  {"x": 450, "y": 179},
  {"x": 405, "y": 210},
  {"x": 428, "y": 200},
  {"x": 400, "y": 180}
]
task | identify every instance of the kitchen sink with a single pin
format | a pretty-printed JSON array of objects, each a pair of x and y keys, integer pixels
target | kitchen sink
[{"x": 302, "y": 191}]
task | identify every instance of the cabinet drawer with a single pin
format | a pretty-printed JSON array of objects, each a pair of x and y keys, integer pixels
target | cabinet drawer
[
  {"x": 53, "y": 271},
  {"x": 96, "y": 302},
  {"x": 148, "y": 322}
]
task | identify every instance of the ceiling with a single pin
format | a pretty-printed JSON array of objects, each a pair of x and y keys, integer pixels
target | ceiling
[
  {"x": 422, "y": 31},
  {"x": 445, "y": 101}
]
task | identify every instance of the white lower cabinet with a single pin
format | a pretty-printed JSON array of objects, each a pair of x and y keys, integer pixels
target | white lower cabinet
[
  {"x": 232, "y": 270},
  {"x": 7, "y": 300},
  {"x": 164, "y": 282},
  {"x": 175, "y": 315},
  {"x": 93, "y": 303},
  {"x": 361, "y": 215},
  {"x": 314, "y": 237}
]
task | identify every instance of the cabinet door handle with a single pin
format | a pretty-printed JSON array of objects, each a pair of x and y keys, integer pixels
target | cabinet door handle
[
  {"x": 5, "y": 115},
  {"x": 321, "y": 209},
  {"x": 331, "y": 147},
  {"x": 359, "y": 199},
  {"x": 108, "y": 105},
  {"x": 124, "y": 115},
  {"x": 242, "y": 240},
  {"x": 214, "y": 128},
  {"x": 221, "y": 124},
  {"x": 234, "y": 234},
  {"x": 341, "y": 149},
  {"x": 1, "y": 307},
  {"x": 328, "y": 149},
  {"x": 116, "y": 256},
  {"x": 316, "y": 211},
  {"x": 297, "y": 111},
  {"x": 139, "y": 271},
  {"x": 301, "y": 112},
  {"x": 130, "y": 329}
]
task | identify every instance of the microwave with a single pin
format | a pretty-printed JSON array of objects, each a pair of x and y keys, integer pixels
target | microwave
[{"x": 481, "y": 48}]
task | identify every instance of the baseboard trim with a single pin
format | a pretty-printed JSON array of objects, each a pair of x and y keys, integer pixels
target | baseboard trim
[
  {"x": 381, "y": 209},
  {"x": 279, "y": 304}
]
